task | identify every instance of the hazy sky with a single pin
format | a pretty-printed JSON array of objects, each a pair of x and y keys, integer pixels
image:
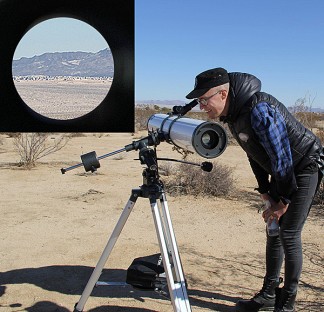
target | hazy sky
[
  {"x": 60, "y": 35},
  {"x": 279, "y": 41}
]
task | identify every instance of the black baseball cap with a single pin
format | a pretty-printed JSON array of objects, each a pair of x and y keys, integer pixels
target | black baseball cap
[{"x": 207, "y": 80}]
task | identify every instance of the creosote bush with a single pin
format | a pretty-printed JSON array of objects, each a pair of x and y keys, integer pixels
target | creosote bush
[
  {"x": 33, "y": 146},
  {"x": 189, "y": 180}
]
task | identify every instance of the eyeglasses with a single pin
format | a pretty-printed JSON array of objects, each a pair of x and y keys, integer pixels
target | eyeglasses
[{"x": 204, "y": 102}]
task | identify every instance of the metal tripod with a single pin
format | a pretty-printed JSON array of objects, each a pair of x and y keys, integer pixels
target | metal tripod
[{"x": 152, "y": 189}]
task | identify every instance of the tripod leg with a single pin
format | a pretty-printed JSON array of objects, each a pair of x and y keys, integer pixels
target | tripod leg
[
  {"x": 173, "y": 249},
  {"x": 177, "y": 289},
  {"x": 104, "y": 257}
]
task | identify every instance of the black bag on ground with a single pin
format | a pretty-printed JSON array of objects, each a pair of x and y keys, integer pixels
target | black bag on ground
[{"x": 147, "y": 273}]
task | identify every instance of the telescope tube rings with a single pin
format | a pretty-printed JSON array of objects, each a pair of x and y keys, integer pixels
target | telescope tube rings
[{"x": 207, "y": 139}]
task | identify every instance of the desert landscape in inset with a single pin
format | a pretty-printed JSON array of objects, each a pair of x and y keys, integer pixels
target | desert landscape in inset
[
  {"x": 64, "y": 85},
  {"x": 63, "y": 97}
]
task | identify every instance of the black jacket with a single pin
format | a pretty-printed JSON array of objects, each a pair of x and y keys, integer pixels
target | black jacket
[{"x": 244, "y": 94}]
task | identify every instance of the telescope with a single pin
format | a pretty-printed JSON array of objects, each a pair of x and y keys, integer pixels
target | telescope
[{"x": 207, "y": 139}]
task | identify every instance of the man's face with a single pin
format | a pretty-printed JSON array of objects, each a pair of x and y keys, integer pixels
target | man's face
[{"x": 213, "y": 102}]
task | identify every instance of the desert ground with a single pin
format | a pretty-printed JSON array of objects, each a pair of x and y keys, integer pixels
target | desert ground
[
  {"x": 54, "y": 228},
  {"x": 63, "y": 98}
]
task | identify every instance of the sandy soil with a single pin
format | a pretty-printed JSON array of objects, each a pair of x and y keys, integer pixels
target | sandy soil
[
  {"x": 63, "y": 99},
  {"x": 54, "y": 228}
]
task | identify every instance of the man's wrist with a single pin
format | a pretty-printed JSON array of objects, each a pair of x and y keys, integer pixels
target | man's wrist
[{"x": 284, "y": 200}]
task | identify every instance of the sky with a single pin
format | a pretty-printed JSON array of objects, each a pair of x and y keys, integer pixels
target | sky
[
  {"x": 279, "y": 41},
  {"x": 60, "y": 35}
]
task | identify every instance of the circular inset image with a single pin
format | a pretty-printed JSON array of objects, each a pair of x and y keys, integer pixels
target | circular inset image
[{"x": 63, "y": 68}]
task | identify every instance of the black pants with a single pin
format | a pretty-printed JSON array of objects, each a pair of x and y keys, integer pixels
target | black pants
[{"x": 288, "y": 245}]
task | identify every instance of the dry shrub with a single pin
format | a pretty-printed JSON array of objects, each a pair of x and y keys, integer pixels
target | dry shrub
[
  {"x": 166, "y": 168},
  {"x": 320, "y": 134},
  {"x": 185, "y": 153},
  {"x": 189, "y": 180},
  {"x": 319, "y": 197},
  {"x": 76, "y": 135},
  {"x": 33, "y": 146},
  {"x": 142, "y": 113}
]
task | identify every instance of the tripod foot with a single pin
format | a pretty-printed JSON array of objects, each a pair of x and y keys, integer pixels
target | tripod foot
[{"x": 75, "y": 309}]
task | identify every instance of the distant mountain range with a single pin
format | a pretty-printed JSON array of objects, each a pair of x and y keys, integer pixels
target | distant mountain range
[
  {"x": 161, "y": 102},
  {"x": 83, "y": 64}
]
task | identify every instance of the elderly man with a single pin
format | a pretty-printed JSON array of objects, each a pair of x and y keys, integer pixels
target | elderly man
[{"x": 285, "y": 158}]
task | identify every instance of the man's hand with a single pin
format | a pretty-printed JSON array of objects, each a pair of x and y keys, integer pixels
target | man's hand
[{"x": 275, "y": 211}]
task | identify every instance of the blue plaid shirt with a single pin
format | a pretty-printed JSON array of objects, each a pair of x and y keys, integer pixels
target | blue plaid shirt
[{"x": 270, "y": 128}]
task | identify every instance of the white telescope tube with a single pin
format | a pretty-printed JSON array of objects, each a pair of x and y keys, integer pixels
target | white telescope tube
[{"x": 207, "y": 139}]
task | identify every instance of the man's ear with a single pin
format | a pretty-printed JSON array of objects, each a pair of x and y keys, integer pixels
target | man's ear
[{"x": 224, "y": 94}]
